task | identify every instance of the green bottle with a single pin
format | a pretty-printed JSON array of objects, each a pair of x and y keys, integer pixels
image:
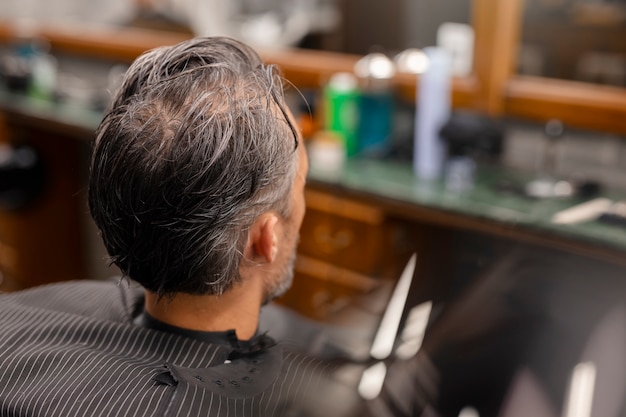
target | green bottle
[{"x": 341, "y": 109}]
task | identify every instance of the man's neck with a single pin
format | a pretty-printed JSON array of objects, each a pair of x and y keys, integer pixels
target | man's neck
[{"x": 236, "y": 309}]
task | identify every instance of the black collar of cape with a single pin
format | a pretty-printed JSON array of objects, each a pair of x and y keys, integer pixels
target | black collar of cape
[{"x": 250, "y": 365}]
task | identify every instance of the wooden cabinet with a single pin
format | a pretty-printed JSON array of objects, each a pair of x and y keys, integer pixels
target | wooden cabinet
[
  {"x": 42, "y": 242},
  {"x": 344, "y": 232},
  {"x": 349, "y": 255}
]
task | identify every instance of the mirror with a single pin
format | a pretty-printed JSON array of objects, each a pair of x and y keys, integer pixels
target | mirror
[{"x": 580, "y": 40}]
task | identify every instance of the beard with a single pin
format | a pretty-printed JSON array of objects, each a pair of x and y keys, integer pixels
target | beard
[{"x": 283, "y": 279}]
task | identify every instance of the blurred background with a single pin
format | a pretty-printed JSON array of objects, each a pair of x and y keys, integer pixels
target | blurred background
[{"x": 486, "y": 137}]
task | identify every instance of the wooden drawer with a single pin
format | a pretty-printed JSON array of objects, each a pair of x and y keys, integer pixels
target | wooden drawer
[
  {"x": 332, "y": 294},
  {"x": 347, "y": 260},
  {"x": 344, "y": 233}
]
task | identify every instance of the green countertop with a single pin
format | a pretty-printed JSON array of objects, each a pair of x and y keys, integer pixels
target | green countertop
[
  {"x": 64, "y": 115},
  {"x": 394, "y": 186},
  {"x": 484, "y": 207}
]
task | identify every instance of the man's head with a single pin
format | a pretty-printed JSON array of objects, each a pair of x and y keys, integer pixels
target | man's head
[{"x": 197, "y": 147}]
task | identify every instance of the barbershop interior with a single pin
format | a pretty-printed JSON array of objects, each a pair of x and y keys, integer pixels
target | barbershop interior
[{"x": 466, "y": 184}]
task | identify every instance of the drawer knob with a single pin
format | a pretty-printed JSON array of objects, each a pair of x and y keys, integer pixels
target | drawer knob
[{"x": 330, "y": 240}]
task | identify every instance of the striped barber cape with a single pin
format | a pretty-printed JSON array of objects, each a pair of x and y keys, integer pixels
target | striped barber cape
[{"x": 71, "y": 349}]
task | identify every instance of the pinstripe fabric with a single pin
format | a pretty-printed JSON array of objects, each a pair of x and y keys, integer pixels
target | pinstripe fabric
[{"x": 72, "y": 350}]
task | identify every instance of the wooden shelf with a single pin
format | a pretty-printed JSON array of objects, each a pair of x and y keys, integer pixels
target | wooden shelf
[
  {"x": 493, "y": 89},
  {"x": 303, "y": 68},
  {"x": 118, "y": 44},
  {"x": 577, "y": 104}
]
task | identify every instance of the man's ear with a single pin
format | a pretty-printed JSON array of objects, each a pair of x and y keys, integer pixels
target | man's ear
[{"x": 262, "y": 240}]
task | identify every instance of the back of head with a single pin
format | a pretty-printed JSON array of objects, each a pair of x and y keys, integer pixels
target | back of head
[{"x": 196, "y": 144}]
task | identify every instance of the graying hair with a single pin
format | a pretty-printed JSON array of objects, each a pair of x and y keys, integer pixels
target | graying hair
[{"x": 196, "y": 145}]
